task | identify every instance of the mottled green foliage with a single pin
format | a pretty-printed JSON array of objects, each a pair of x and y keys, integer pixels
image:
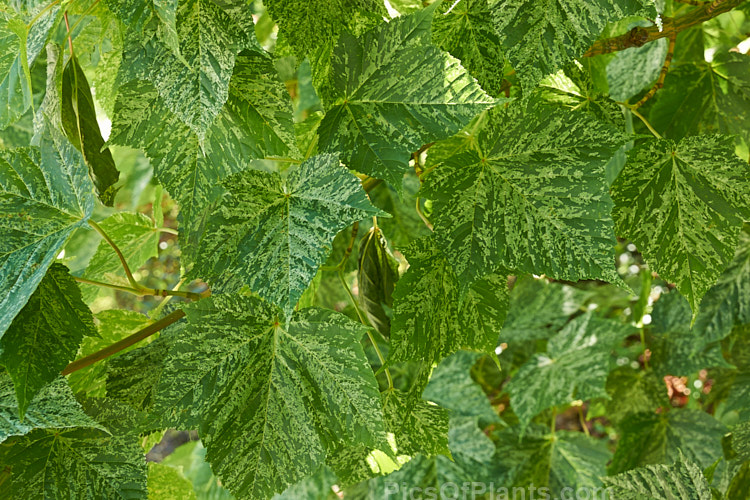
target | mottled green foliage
[
  {"x": 377, "y": 274},
  {"x": 541, "y": 37},
  {"x": 168, "y": 483},
  {"x": 392, "y": 91},
  {"x": 15, "y": 78},
  {"x": 575, "y": 366},
  {"x": 682, "y": 480},
  {"x": 468, "y": 34},
  {"x": 45, "y": 334},
  {"x": 54, "y": 407},
  {"x": 649, "y": 438},
  {"x": 135, "y": 236},
  {"x": 299, "y": 389},
  {"x": 78, "y": 118},
  {"x": 432, "y": 319},
  {"x": 535, "y": 457},
  {"x": 45, "y": 195},
  {"x": 419, "y": 427},
  {"x": 632, "y": 391},
  {"x": 682, "y": 204},
  {"x": 532, "y": 197}
]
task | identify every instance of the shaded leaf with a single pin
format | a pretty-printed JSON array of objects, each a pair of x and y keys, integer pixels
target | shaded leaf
[
  {"x": 377, "y": 274},
  {"x": 683, "y": 480}
]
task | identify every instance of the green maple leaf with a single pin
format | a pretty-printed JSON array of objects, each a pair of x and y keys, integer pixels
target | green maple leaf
[
  {"x": 649, "y": 438},
  {"x": 541, "y": 37},
  {"x": 136, "y": 237},
  {"x": 193, "y": 85},
  {"x": 54, "y": 407},
  {"x": 575, "y": 366},
  {"x": 377, "y": 273},
  {"x": 168, "y": 483},
  {"x": 392, "y": 92},
  {"x": 565, "y": 459},
  {"x": 255, "y": 122},
  {"x": 136, "y": 15},
  {"x": 465, "y": 29},
  {"x": 533, "y": 197},
  {"x": 45, "y": 335},
  {"x": 418, "y": 426},
  {"x": 269, "y": 399},
  {"x": 45, "y": 195},
  {"x": 272, "y": 233},
  {"x": 432, "y": 319},
  {"x": 683, "y": 480},
  {"x": 632, "y": 391},
  {"x": 683, "y": 204}
]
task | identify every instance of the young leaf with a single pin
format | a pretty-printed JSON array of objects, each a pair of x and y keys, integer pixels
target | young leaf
[
  {"x": 168, "y": 483},
  {"x": 78, "y": 117},
  {"x": 649, "y": 438},
  {"x": 392, "y": 92},
  {"x": 54, "y": 407},
  {"x": 377, "y": 274},
  {"x": 15, "y": 78},
  {"x": 273, "y": 234},
  {"x": 135, "y": 236},
  {"x": 194, "y": 84},
  {"x": 431, "y": 319},
  {"x": 45, "y": 334},
  {"x": 683, "y": 204},
  {"x": 540, "y": 38},
  {"x": 532, "y": 198},
  {"x": 575, "y": 366},
  {"x": 270, "y": 398},
  {"x": 536, "y": 458},
  {"x": 683, "y": 480},
  {"x": 45, "y": 195}
]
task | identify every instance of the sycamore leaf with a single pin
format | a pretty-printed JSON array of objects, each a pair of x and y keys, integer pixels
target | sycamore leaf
[
  {"x": 113, "y": 325},
  {"x": 377, "y": 274},
  {"x": 565, "y": 459},
  {"x": 193, "y": 85},
  {"x": 75, "y": 463},
  {"x": 539, "y": 308},
  {"x": 575, "y": 366},
  {"x": 632, "y": 70},
  {"x": 418, "y": 426},
  {"x": 168, "y": 483},
  {"x": 533, "y": 197},
  {"x": 272, "y": 233},
  {"x": 683, "y": 480},
  {"x": 650, "y": 438},
  {"x": 703, "y": 97},
  {"x": 542, "y": 37},
  {"x": 315, "y": 487},
  {"x": 452, "y": 387},
  {"x": 465, "y": 30},
  {"x": 432, "y": 320},
  {"x": 270, "y": 399},
  {"x": 392, "y": 91},
  {"x": 256, "y": 122},
  {"x": 54, "y": 407},
  {"x": 632, "y": 391},
  {"x": 15, "y": 77},
  {"x": 135, "y": 236},
  {"x": 45, "y": 334},
  {"x": 682, "y": 204},
  {"x": 78, "y": 117},
  {"x": 45, "y": 195},
  {"x": 136, "y": 14}
]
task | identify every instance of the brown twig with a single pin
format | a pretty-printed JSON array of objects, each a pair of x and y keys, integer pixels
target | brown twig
[
  {"x": 638, "y": 36},
  {"x": 124, "y": 343},
  {"x": 662, "y": 74}
]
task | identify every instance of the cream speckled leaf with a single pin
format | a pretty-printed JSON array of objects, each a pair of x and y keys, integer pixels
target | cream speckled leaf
[
  {"x": 194, "y": 85},
  {"x": 432, "y": 320},
  {"x": 135, "y": 236},
  {"x": 541, "y": 37},
  {"x": 272, "y": 233},
  {"x": 575, "y": 366},
  {"x": 465, "y": 29},
  {"x": 270, "y": 399},
  {"x": 533, "y": 198},
  {"x": 256, "y": 122},
  {"x": 556, "y": 461},
  {"x": 75, "y": 463},
  {"x": 168, "y": 483},
  {"x": 15, "y": 78},
  {"x": 682, "y": 480},
  {"x": 45, "y": 335},
  {"x": 393, "y": 92},
  {"x": 418, "y": 426},
  {"x": 650, "y": 438},
  {"x": 45, "y": 195},
  {"x": 54, "y": 407},
  {"x": 682, "y": 204},
  {"x": 136, "y": 14}
]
